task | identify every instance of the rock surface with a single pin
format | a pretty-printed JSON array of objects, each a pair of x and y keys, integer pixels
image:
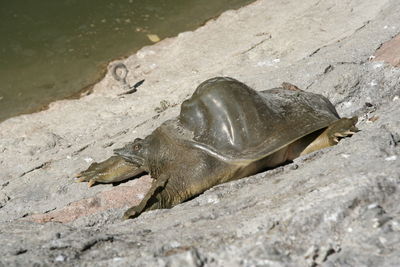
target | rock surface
[{"x": 336, "y": 207}]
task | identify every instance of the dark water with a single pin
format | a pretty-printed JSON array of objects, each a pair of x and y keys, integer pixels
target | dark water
[{"x": 51, "y": 49}]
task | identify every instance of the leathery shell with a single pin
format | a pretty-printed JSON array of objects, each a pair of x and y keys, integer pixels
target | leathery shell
[{"x": 228, "y": 119}]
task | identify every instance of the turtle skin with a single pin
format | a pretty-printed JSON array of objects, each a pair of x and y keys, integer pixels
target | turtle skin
[{"x": 225, "y": 131}]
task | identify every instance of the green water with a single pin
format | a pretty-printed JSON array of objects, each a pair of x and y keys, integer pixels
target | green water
[{"x": 51, "y": 49}]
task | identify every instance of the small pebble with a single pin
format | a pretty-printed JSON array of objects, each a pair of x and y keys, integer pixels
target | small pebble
[
  {"x": 294, "y": 167},
  {"x": 153, "y": 37},
  {"x": 391, "y": 158},
  {"x": 60, "y": 258}
]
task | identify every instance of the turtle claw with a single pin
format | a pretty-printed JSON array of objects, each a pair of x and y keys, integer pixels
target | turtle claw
[
  {"x": 347, "y": 133},
  {"x": 130, "y": 213},
  {"x": 82, "y": 177},
  {"x": 89, "y": 174},
  {"x": 338, "y": 135},
  {"x": 79, "y": 179},
  {"x": 91, "y": 182},
  {"x": 344, "y": 134}
]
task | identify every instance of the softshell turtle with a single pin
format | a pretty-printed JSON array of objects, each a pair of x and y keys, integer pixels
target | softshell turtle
[{"x": 225, "y": 131}]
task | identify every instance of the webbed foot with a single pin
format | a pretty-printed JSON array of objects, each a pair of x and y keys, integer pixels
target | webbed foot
[
  {"x": 341, "y": 128},
  {"x": 114, "y": 169},
  {"x": 332, "y": 135}
]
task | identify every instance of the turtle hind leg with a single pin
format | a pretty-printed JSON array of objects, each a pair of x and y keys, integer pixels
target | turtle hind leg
[
  {"x": 331, "y": 135},
  {"x": 114, "y": 169}
]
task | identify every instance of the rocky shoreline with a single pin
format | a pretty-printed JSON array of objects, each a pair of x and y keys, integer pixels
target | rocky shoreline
[{"x": 337, "y": 207}]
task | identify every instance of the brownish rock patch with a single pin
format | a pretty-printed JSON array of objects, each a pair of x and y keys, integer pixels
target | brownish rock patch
[
  {"x": 128, "y": 194},
  {"x": 389, "y": 52}
]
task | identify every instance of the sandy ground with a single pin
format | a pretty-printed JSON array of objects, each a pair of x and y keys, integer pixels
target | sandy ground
[{"x": 336, "y": 207}]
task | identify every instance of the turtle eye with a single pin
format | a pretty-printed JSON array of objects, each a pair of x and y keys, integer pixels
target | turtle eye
[{"x": 137, "y": 147}]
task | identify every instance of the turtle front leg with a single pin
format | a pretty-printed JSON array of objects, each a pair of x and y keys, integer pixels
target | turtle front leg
[
  {"x": 331, "y": 135},
  {"x": 156, "y": 198},
  {"x": 114, "y": 169}
]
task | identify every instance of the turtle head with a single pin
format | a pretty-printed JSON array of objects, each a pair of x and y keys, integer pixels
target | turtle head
[{"x": 136, "y": 152}]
